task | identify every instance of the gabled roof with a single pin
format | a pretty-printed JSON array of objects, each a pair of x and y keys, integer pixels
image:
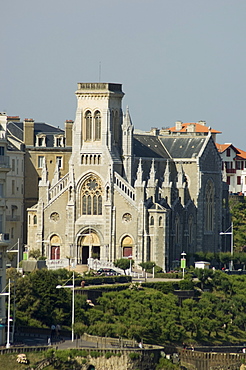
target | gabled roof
[
  {"x": 198, "y": 128},
  {"x": 222, "y": 147},
  {"x": 241, "y": 154}
]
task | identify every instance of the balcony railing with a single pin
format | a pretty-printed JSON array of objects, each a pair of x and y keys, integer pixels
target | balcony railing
[
  {"x": 4, "y": 161},
  {"x": 4, "y": 237},
  {"x": 12, "y": 218},
  {"x": 230, "y": 170}
]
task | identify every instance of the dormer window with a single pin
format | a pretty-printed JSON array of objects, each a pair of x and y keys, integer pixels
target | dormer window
[
  {"x": 41, "y": 140},
  {"x": 59, "y": 141}
]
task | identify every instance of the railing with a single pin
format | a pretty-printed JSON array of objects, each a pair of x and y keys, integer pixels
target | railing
[
  {"x": 57, "y": 264},
  {"x": 12, "y": 218},
  {"x": 123, "y": 186},
  {"x": 4, "y": 161},
  {"x": 96, "y": 264},
  {"x": 4, "y": 237},
  {"x": 59, "y": 187}
]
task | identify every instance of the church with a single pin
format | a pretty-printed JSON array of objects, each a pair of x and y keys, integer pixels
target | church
[{"x": 127, "y": 193}]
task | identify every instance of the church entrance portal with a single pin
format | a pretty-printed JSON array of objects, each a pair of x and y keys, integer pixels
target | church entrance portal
[{"x": 88, "y": 247}]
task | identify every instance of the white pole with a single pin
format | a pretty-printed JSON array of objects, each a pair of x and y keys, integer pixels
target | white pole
[
  {"x": 8, "y": 332},
  {"x": 18, "y": 255},
  {"x": 231, "y": 245},
  {"x": 73, "y": 311}
]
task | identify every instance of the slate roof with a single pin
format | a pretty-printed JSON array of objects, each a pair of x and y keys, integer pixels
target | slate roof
[
  {"x": 146, "y": 146},
  {"x": 183, "y": 147},
  {"x": 16, "y": 128}
]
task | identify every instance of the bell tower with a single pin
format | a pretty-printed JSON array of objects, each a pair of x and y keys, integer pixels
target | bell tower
[{"x": 97, "y": 127}]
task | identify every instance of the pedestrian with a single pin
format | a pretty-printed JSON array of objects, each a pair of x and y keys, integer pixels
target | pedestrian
[
  {"x": 49, "y": 341},
  {"x": 53, "y": 330},
  {"x": 58, "y": 329}
]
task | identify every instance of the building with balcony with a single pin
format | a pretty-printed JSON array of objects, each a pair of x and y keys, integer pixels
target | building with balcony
[
  {"x": 234, "y": 163},
  {"x": 4, "y": 234},
  {"x": 36, "y": 142}
]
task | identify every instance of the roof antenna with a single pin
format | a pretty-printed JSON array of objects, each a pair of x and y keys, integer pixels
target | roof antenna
[{"x": 99, "y": 71}]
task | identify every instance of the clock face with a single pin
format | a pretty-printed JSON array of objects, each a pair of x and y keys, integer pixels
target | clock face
[{"x": 127, "y": 217}]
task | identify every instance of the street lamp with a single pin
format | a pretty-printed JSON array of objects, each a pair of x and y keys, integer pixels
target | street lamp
[
  {"x": 229, "y": 233},
  {"x": 71, "y": 287},
  {"x": 183, "y": 262},
  {"x": 9, "y": 319},
  {"x": 16, "y": 251}
]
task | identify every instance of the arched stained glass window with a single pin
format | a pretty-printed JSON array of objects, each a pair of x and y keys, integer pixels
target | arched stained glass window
[
  {"x": 84, "y": 201},
  {"x": 177, "y": 230},
  {"x": 190, "y": 229},
  {"x": 209, "y": 206},
  {"x": 91, "y": 196}
]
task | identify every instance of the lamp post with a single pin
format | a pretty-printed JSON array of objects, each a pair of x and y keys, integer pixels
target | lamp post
[
  {"x": 71, "y": 287},
  {"x": 130, "y": 258},
  {"x": 183, "y": 262},
  {"x": 8, "y": 319},
  {"x": 229, "y": 233},
  {"x": 16, "y": 251}
]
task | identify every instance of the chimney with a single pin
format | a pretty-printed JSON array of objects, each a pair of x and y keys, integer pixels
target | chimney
[
  {"x": 13, "y": 119},
  {"x": 69, "y": 132},
  {"x": 191, "y": 127},
  {"x": 203, "y": 123},
  {"x": 178, "y": 125},
  {"x": 28, "y": 128},
  {"x": 3, "y": 120}
]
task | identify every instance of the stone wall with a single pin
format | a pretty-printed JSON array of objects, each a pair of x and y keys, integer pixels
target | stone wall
[
  {"x": 145, "y": 362},
  {"x": 211, "y": 361}
]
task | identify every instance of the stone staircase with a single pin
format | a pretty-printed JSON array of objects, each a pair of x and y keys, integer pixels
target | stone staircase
[{"x": 80, "y": 269}]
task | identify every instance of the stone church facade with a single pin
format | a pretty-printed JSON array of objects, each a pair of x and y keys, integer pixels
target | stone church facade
[{"x": 146, "y": 195}]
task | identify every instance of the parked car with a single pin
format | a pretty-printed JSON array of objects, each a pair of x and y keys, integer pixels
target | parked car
[{"x": 107, "y": 272}]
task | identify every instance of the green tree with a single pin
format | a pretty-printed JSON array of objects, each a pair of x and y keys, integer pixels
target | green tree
[
  {"x": 79, "y": 328},
  {"x": 124, "y": 263},
  {"x": 238, "y": 211},
  {"x": 35, "y": 253}
]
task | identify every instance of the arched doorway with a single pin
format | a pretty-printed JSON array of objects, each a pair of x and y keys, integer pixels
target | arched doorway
[
  {"x": 88, "y": 246},
  {"x": 127, "y": 246},
  {"x": 55, "y": 243}
]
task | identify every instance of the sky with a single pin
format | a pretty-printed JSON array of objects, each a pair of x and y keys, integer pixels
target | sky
[{"x": 178, "y": 60}]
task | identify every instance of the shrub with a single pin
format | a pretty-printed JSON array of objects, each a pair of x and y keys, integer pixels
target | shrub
[
  {"x": 108, "y": 354},
  {"x": 134, "y": 356},
  {"x": 95, "y": 354}
]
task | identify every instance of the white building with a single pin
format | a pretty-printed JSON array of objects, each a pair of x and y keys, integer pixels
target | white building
[
  {"x": 4, "y": 236},
  {"x": 234, "y": 161}
]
